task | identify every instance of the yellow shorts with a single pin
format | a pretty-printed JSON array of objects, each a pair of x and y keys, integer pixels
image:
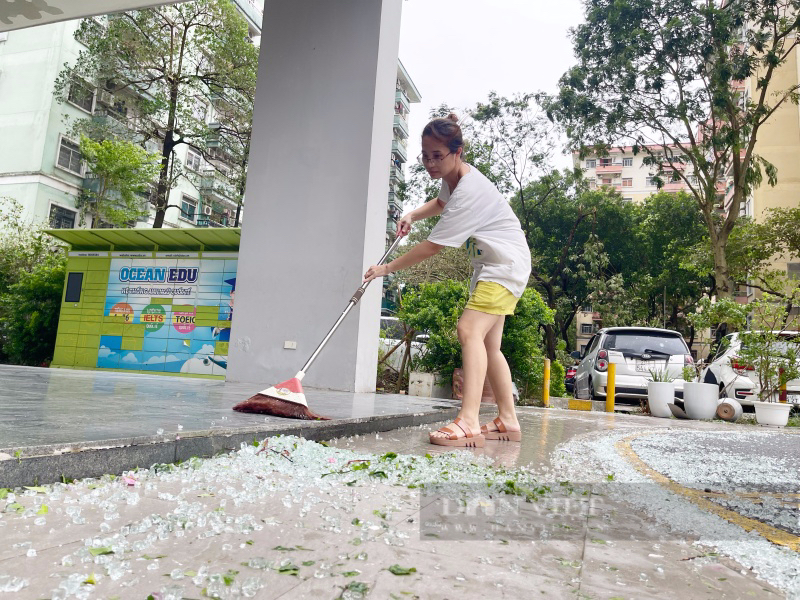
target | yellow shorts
[{"x": 492, "y": 298}]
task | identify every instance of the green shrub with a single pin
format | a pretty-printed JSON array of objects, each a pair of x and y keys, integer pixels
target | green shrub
[
  {"x": 29, "y": 313},
  {"x": 436, "y": 307}
]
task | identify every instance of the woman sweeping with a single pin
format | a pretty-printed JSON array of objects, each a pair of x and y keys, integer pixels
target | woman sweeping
[{"x": 475, "y": 215}]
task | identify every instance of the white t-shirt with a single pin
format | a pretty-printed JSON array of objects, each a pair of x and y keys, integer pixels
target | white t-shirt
[{"x": 476, "y": 216}]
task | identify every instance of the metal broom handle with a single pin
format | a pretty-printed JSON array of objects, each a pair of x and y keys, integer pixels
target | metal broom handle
[{"x": 353, "y": 301}]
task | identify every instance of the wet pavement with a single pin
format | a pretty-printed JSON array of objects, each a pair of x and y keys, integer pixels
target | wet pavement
[
  {"x": 588, "y": 505},
  {"x": 60, "y": 406}
]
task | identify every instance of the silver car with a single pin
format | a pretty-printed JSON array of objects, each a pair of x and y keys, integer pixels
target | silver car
[{"x": 636, "y": 351}]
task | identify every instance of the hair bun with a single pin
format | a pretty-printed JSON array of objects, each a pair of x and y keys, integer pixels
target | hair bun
[{"x": 453, "y": 117}]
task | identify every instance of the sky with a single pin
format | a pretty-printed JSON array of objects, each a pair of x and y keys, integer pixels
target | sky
[{"x": 457, "y": 51}]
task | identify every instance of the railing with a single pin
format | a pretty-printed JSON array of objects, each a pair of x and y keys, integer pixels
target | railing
[
  {"x": 401, "y": 125},
  {"x": 399, "y": 150}
]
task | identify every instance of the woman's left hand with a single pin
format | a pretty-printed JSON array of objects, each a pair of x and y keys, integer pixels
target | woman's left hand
[{"x": 376, "y": 271}]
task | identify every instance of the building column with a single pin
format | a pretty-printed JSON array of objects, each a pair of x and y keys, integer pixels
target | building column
[{"x": 315, "y": 212}]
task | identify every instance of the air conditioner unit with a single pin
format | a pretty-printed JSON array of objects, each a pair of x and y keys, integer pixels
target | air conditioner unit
[
  {"x": 206, "y": 210},
  {"x": 106, "y": 98}
]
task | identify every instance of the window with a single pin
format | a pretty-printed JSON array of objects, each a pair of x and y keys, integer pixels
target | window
[
  {"x": 605, "y": 162},
  {"x": 592, "y": 183},
  {"x": 586, "y": 329},
  {"x": 591, "y": 163},
  {"x": 587, "y": 308},
  {"x": 793, "y": 270},
  {"x": 583, "y": 349},
  {"x": 627, "y": 182},
  {"x": 192, "y": 160},
  {"x": 81, "y": 94},
  {"x": 606, "y": 180},
  {"x": 651, "y": 182},
  {"x": 74, "y": 284},
  {"x": 61, "y": 218},
  {"x": 69, "y": 156},
  {"x": 627, "y": 162},
  {"x": 188, "y": 209}
]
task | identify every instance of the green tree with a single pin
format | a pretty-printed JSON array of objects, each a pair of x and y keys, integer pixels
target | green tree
[
  {"x": 31, "y": 282},
  {"x": 669, "y": 78},
  {"x": 165, "y": 67},
  {"x": 121, "y": 176}
]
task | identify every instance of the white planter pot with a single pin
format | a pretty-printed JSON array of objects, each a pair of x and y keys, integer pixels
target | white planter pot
[
  {"x": 428, "y": 385},
  {"x": 729, "y": 410},
  {"x": 700, "y": 400},
  {"x": 772, "y": 413},
  {"x": 659, "y": 395}
]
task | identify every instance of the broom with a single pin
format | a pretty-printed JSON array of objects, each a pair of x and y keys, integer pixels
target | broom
[{"x": 287, "y": 399}]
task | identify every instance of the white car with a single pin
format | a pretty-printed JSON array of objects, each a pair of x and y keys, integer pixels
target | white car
[
  {"x": 636, "y": 351},
  {"x": 738, "y": 380},
  {"x": 392, "y": 331}
]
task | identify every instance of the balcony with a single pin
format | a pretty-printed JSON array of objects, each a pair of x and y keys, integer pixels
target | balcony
[
  {"x": 396, "y": 174},
  {"x": 252, "y": 14},
  {"x": 209, "y": 221},
  {"x": 399, "y": 150},
  {"x": 111, "y": 120},
  {"x": 608, "y": 169},
  {"x": 214, "y": 184},
  {"x": 400, "y": 126},
  {"x": 394, "y": 202},
  {"x": 401, "y": 98},
  {"x": 391, "y": 226}
]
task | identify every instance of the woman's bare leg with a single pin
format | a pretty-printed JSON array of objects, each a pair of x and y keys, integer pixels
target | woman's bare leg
[
  {"x": 473, "y": 327},
  {"x": 500, "y": 378}
]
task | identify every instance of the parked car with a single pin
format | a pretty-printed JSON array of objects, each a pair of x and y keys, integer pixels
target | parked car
[
  {"x": 392, "y": 331},
  {"x": 569, "y": 379},
  {"x": 636, "y": 351},
  {"x": 737, "y": 379}
]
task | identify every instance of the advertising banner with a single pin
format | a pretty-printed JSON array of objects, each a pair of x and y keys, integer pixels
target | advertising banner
[{"x": 174, "y": 313}]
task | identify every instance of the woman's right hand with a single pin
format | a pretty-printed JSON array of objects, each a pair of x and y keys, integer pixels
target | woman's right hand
[{"x": 404, "y": 225}]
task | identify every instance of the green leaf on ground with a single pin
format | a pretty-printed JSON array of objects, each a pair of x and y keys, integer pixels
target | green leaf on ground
[
  {"x": 229, "y": 577},
  {"x": 249, "y": 542},
  {"x": 90, "y": 580},
  {"x": 290, "y": 569},
  {"x": 351, "y": 573},
  {"x": 157, "y": 556},
  {"x": 598, "y": 541},
  {"x": 610, "y": 477},
  {"x": 308, "y": 563},
  {"x": 285, "y": 549},
  {"x": 356, "y": 522},
  {"x": 4, "y": 492},
  {"x": 43, "y": 510},
  {"x": 100, "y": 550},
  {"x": 379, "y": 513},
  {"x": 36, "y": 488},
  {"x": 357, "y": 587},
  {"x": 16, "y": 506},
  {"x": 389, "y": 456},
  {"x": 379, "y": 474},
  {"x": 326, "y": 444},
  {"x": 575, "y": 564},
  {"x": 190, "y": 573},
  {"x": 398, "y": 570},
  {"x": 361, "y": 466}
]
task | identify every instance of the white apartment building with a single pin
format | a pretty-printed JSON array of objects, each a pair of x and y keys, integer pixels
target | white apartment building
[
  {"x": 41, "y": 166},
  {"x": 406, "y": 94},
  {"x": 624, "y": 171}
]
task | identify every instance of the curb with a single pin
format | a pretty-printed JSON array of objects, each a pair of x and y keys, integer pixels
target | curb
[{"x": 37, "y": 465}]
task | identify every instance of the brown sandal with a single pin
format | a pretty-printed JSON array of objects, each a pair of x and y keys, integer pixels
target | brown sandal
[
  {"x": 501, "y": 433},
  {"x": 454, "y": 437}
]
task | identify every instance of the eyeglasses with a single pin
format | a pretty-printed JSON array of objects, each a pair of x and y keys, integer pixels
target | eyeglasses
[{"x": 435, "y": 159}]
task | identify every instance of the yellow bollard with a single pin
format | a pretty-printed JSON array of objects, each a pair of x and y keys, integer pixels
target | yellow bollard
[
  {"x": 546, "y": 390},
  {"x": 612, "y": 374}
]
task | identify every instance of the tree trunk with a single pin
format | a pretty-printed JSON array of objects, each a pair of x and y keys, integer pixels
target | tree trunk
[
  {"x": 162, "y": 192},
  {"x": 550, "y": 341}
]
